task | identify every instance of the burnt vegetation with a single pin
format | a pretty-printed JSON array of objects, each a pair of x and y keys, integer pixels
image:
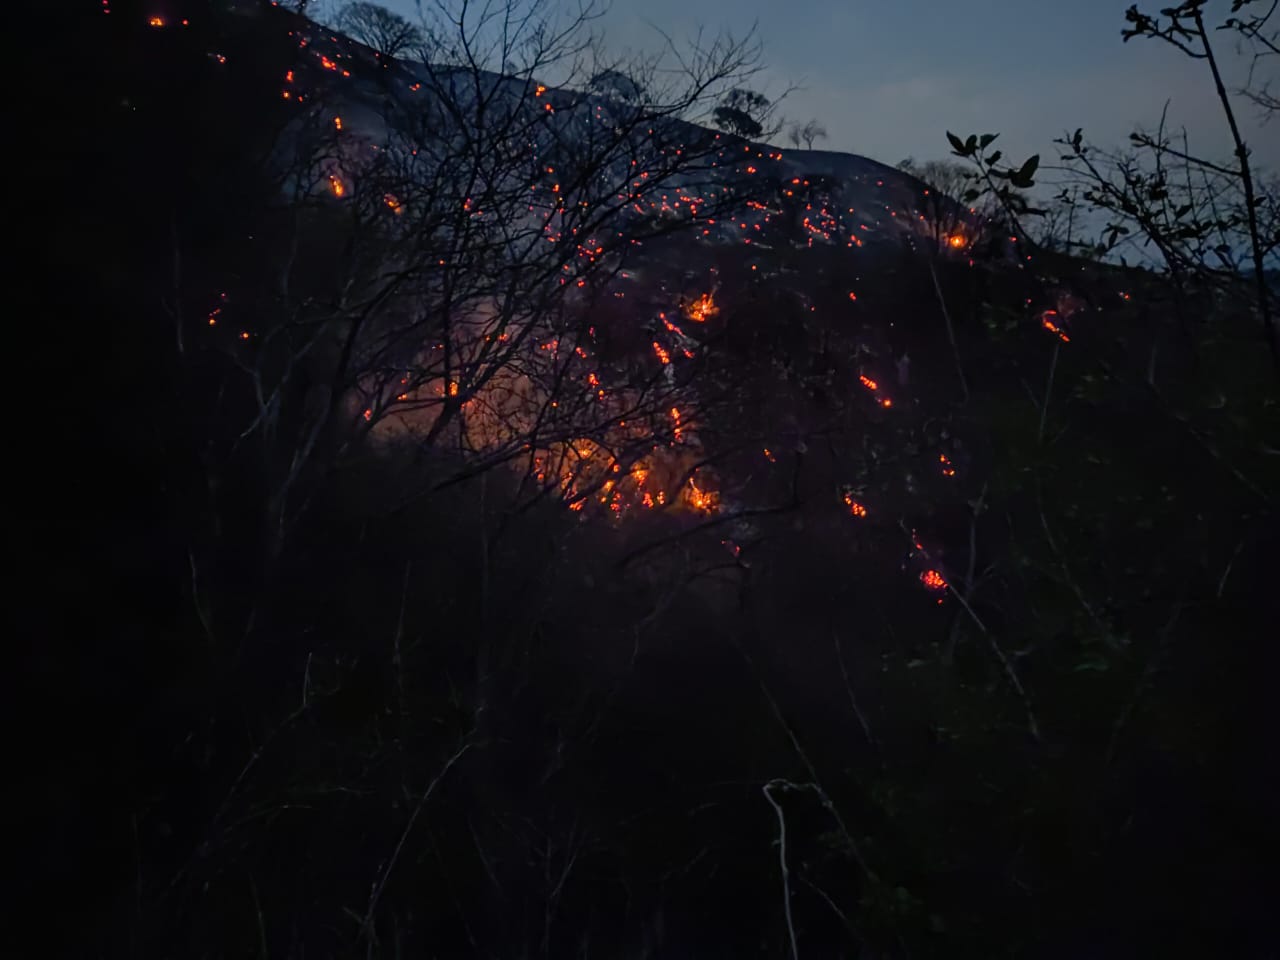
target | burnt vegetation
[{"x": 524, "y": 515}]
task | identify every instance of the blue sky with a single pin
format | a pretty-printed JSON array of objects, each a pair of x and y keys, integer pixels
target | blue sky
[{"x": 888, "y": 77}]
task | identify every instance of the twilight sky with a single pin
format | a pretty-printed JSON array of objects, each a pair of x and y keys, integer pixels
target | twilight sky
[{"x": 887, "y": 77}]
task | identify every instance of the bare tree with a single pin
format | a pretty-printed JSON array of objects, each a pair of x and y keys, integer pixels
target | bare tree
[
  {"x": 449, "y": 271},
  {"x": 812, "y": 131},
  {"x": 387, "y": 33},
  {"x": 941, "y": 214}
]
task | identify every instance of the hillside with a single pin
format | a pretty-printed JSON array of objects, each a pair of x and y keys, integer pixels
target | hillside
[{"x": 515, "y": 519}]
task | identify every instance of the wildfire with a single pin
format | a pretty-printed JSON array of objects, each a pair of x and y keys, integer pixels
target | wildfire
[{"x": 956, "y": 241}]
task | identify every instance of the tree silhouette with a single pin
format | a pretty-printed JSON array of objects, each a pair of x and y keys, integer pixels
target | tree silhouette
[{"x": 385, "y": 31}]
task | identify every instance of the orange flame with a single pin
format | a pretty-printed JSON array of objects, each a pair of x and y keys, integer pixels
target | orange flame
[{"x": 702, "y": 308}]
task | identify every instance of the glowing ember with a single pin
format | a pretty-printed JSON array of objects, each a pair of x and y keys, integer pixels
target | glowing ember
[
  {"x": 956, "y": 241},
  {"x": 947, "y": 469},
  {"x": 661, "y": 353},
  {"x": 933, "y": 580},
  {"x": 855, "y": 508},
  {"x": 337, "y": 123},
  {"x": 869, "y": 383},
  {"x": 336, "y": 186},
  {"x": 701, "y": 499},
  {"x": 1048, "y": 323},
  {"x": 156, "y": 21},
  {"x": 390, "y": 200}
]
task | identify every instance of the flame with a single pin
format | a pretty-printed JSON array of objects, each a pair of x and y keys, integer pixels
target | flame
[
  {"x": 855, "y": 508},
  {"x": 661, "y": 353},
  {"x": 869, "y": 383},
  {"x": 336, "y": 186},
  {"x": 956, "y": 241},
  {"x": 391, "y": 201},
  {"x": 156, "y": 21},
  {"x": 702, "y": 308},
  {"x": 337, "y": 123}
]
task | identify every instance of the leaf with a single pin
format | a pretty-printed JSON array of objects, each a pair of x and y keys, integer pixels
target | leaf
[
  {"x": 986, "y": 140},
  {"x": 995, "y": 157},
  {"x": 956, "y": 144},
  {"x": 1029, "y": 168},
  {"x": 971, "y": 143}
]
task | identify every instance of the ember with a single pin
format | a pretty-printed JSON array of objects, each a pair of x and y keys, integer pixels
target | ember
[
  {"x": 1049, "y": 324},
  {"x": 933, "y": 580}
]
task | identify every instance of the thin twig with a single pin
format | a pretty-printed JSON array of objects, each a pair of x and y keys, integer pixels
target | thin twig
[
  {"x": 782, "y": 863},
  {"x": 380, "y": 885}
]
